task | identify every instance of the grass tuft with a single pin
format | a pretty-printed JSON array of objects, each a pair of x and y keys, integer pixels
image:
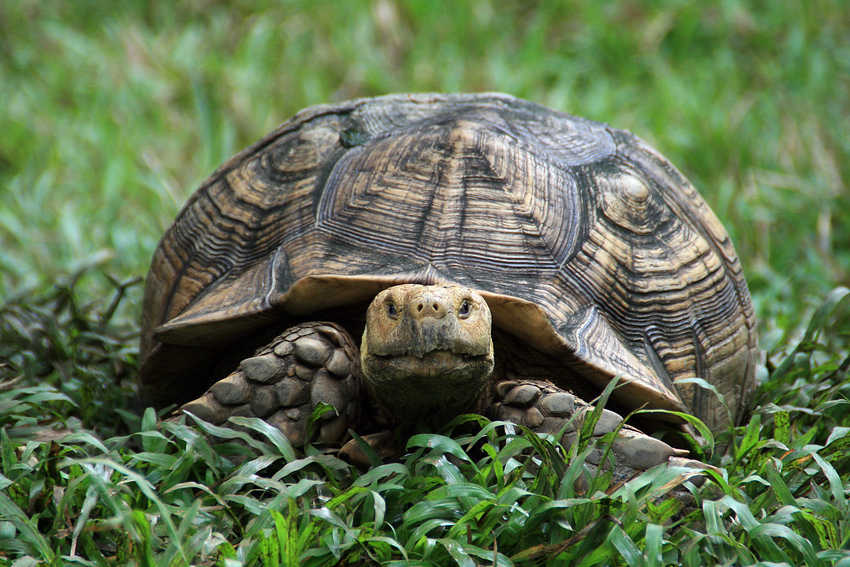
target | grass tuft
[{"x": 477, "y": 493}]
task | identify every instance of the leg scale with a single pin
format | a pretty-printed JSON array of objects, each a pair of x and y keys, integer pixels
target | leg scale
[{"x": 286, "y": 380}]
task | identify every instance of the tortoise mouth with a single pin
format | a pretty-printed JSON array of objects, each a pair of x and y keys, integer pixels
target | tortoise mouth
[
  {"x": 433, "y": 364},
  {"x": 429, "y": 390}
]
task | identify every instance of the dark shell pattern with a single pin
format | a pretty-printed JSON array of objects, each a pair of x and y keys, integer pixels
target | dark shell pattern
[{"x": 586, "y": 243}]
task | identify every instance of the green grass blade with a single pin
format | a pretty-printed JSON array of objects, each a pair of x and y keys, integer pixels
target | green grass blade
[
  {"x": 270, "y": 432},
  {"x": 626, "y": 547},
  {"x": 30, "y": 536},
  {"x": 148, "y": 490}
]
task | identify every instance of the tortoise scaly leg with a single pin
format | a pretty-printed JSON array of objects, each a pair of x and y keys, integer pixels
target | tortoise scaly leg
[
  {"x": 544, "y": 408},
  {"x": 286, "y": 380}
]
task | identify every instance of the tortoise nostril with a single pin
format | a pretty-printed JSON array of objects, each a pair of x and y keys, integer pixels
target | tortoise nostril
[{"x": 428, "y": 306}]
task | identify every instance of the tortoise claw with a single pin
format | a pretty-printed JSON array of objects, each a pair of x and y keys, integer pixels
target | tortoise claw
[{"x": 286, "y": 380}]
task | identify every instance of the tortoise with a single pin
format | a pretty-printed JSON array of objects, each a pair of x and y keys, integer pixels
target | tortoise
[{"x": 495, "y": 256}]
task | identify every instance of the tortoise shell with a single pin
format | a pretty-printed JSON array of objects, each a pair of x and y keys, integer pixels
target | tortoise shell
[{"x": 586, "y": 243}]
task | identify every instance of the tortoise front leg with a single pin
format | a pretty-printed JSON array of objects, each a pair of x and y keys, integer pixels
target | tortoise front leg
[
  {"x": 286, "y": 380},
  {"x": 544, "y": 408}
]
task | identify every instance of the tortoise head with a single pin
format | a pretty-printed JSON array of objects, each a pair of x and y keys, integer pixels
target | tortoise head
[{"x": 427, "y": 352}]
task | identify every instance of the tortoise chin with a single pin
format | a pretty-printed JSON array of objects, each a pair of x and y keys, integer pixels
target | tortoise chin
[
  {"x": 430, "y": 390},
  {"x": 435, "y": 367}
]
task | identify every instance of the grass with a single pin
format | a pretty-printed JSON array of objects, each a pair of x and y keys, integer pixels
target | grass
[
  {"x": 84, "y": 481},
  {"x": 114, "y": 112}
]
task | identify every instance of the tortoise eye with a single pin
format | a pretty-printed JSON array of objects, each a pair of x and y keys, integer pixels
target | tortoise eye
[
  {"x": 392, "y": 312},
  {"x": 465, "y": 309}
]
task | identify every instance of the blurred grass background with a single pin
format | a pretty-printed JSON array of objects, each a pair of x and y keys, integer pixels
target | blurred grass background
[{"x": 114, "y": 112}]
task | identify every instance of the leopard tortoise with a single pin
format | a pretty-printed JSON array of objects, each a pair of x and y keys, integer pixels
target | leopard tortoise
[{"x": 494, "y": 255}]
